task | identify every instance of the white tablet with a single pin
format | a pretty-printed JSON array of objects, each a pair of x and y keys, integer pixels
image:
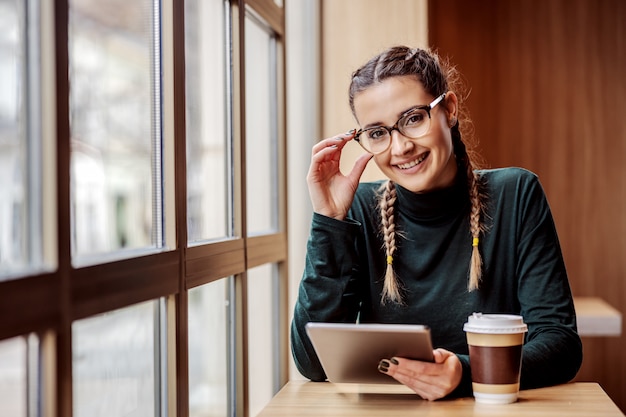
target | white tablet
[{"x": 351, "y": 352}]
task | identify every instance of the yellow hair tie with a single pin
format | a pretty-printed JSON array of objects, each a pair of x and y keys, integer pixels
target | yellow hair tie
[
  {"x": 389, "y": 260},
  {"x": 475, "y": 242}
]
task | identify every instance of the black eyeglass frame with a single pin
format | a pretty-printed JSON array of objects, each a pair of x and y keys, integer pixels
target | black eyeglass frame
[{"x": 390, "y": 129}]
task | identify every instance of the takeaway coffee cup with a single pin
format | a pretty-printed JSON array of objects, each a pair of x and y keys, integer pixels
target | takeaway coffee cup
[{"x": 495, "y": 347}]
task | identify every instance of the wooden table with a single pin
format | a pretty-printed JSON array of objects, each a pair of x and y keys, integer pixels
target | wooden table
[
  {"x": 318, "y": 399},
  {"x": 597, "y": 318}
]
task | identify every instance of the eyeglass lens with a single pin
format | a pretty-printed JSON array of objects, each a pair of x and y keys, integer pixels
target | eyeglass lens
[{"x": 412, "y": 125}]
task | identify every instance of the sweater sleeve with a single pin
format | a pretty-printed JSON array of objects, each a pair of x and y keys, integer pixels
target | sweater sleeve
[
  {"x": 552, "y": 353},
  {"x": 328, "y": 290}
]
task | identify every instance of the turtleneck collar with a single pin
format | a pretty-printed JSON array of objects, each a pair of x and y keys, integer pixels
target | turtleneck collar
[{"x": 435, "y": 206}]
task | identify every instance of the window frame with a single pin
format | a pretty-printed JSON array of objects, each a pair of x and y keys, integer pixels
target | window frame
[{"x": 49, "y": 301}]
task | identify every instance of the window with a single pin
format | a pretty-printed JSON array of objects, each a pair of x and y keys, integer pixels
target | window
[
  {"x": 261, "y": 126},
  {"x": 18, "y": 383},
  {"x": 143, "y": 170},
  {"x": 208, "y": 144},
  {"x": 21, "y": 170},
  {"x": 264, "y": 145},
  {"x": 116, "y": 363},
  {"x": 115, "y": 126},
  {"x": 263, "y": 335},
  {"x": 209, "y": 354}
]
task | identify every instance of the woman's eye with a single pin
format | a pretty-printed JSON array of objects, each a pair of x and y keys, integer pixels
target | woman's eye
[
  {"x": 414, "y": 118},
  {"x": 376, "y": 133}
]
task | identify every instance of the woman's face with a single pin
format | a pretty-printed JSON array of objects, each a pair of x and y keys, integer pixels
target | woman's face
[{"x": 419, "y": 165}]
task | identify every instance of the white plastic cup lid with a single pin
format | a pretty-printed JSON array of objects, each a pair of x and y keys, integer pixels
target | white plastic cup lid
[{"x": 495, "y": 323}]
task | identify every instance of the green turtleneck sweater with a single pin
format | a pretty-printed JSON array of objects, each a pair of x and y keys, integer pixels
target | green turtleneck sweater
[{"x": 523, "y": 273}]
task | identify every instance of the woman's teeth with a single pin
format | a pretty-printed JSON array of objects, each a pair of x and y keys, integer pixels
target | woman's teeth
[{"x": 413, "y": 163}]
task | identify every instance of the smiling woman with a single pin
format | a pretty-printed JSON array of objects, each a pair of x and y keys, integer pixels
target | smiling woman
[{"x": 410, "y": 249}]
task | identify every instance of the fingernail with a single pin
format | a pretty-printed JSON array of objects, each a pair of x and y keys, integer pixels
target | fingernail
[
  {"x": 394, "y": 361},
  {"x": 383, "y": 365}
]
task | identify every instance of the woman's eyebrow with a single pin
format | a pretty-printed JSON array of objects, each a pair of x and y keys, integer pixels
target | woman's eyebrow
[
  {"x": 410, "y": 109},
  {"x": 400, "y": 116}
]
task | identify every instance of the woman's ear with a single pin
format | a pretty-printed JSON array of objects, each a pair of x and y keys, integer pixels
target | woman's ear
[{"x": 451, "y": 104}]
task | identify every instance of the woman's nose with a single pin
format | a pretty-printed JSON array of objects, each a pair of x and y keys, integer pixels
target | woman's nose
[{"x": 400, "y": 144}]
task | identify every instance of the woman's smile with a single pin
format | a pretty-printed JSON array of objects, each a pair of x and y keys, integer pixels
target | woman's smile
[{"x": 415, "y": 162}]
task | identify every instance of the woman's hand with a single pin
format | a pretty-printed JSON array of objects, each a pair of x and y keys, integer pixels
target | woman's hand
[
  {"x": 330, "y": 191},
  {"x": 430, "y": 381}
]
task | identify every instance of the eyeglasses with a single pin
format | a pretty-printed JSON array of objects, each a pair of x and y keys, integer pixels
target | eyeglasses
[{"x": 413, "y": 124}]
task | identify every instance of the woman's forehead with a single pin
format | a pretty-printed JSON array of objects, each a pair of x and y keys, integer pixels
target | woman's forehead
[{"x": 384, "y": 102}]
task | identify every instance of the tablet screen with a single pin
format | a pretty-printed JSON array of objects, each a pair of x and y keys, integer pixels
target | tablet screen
[{"x": 351, "y": 352}]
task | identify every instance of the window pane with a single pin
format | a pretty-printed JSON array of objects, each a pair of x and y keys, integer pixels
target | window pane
[
  {"x": 208, "y": 184},
  {"x": 261, "y": 128},
  {"x": 115, "y": 126},
  {"x": 262, "y": 335},
  {"x": 20, "y": 142},
  {"x": 209, "y": 349},
  {"x": 114, "y": 363},
  {"x": 13, "y": 377}
]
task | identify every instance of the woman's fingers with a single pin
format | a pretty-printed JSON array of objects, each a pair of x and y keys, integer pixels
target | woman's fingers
[
  {"x": 429, "y": 380},
  {"x": 327, "y": 153},
  {"x": 329, "y": 150},
  {"x": 415, "y": 376},
  {"x": 359, "y": 167},
  {"x": 330, "y": 191},
  {"x": 337, "y": 141}
]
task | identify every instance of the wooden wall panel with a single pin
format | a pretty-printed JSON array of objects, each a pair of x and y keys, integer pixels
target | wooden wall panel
[
  {"x": 549, "y": 94},
  {"x": 353, "y": 31}
]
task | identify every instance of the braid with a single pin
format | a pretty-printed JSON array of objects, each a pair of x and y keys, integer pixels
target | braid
[
  {"x": 476, "y": 201},
  {"x": 391, "y": 286},
  {"x": 476, "y": 262}
]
